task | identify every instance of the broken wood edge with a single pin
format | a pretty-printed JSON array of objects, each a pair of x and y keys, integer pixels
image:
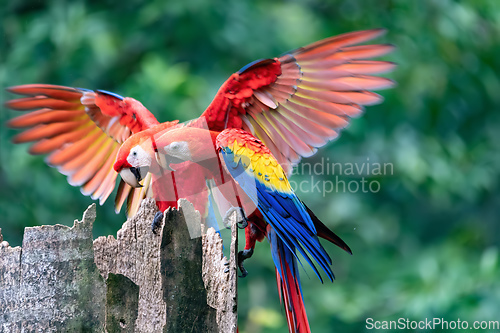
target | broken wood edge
[{"x": 107, "y": 254}]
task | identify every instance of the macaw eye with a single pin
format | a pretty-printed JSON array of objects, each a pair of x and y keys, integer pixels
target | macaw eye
[
  {"x": 178, "y": 149},
  {"x": 134, "y": 153}
]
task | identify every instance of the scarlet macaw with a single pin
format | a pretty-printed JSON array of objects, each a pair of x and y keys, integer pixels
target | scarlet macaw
[
  {"x": 294, "y": 103},
  {"x": 291, "y": 226}
]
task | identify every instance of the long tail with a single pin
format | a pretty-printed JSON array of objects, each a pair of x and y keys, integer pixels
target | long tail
[
  {"x": 326, "y": 233},
  {"x": 288, "y": 281}
]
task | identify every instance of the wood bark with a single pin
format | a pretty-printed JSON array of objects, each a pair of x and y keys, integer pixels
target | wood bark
[{"x": 62, "y": 281}]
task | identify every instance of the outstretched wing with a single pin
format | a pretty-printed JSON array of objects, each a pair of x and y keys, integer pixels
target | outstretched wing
[
  {"x": 81, "y": 130},
  {"x": 301, "y": 100}
]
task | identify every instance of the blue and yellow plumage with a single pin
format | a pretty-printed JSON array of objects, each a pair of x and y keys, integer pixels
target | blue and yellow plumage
[
  {"x": 262, "y": 178},
  {"x": 289, "y": 225},
  {"x": 290, "y": 228}
]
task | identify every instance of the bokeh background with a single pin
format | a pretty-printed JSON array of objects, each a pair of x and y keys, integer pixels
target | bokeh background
[{"x": 425, "y": 245}]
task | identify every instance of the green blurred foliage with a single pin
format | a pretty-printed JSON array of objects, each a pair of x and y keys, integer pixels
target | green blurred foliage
[{"x": 425, "y": 245}]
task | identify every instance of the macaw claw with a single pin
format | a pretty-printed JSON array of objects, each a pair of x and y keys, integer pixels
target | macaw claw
[
  {"x": 156, "y": 221},
  {"x": 226, "y": 270},
  {"x": 242, "y": 256},
  {"x": 243, "y": 223},
  {"x": 240, "y": 216}
]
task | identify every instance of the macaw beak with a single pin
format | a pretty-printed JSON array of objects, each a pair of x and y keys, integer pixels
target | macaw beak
[
  {"x": 165, "y": 160},
  {"x": 133, "y": 176},
  {"x": 168, "y": 160}
]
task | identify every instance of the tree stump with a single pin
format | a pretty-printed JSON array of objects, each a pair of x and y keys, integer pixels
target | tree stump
[{"x": 62, "y": 281}]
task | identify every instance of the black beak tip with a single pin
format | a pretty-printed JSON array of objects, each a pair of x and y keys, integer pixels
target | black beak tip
[{"x": 136, "y": 173}]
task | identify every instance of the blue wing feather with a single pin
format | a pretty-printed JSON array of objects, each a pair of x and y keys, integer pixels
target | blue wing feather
[
  {"x": 255, "y": 64},
  {"x": 110, "y": 94},
  {"x": 285, "y": 213}
]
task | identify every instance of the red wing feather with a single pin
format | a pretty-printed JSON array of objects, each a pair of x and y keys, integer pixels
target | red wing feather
[
  {"x": 82, "y": 130},
  {"x": 303, "y": 99}
]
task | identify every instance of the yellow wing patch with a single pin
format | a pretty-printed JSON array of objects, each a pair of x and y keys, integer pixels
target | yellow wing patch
[{"x": 262, "y": 166}]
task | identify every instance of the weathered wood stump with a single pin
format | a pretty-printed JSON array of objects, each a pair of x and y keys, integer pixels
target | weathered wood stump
[{"x": 62, "y": 281}]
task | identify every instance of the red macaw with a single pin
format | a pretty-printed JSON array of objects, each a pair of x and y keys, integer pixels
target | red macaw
[
  {"x": 290, "y": 225},
  {"x": 294, "y": 103}
]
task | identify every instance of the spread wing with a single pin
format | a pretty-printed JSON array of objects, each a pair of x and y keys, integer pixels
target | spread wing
[
  {"x": 81, "y": 130},
  {"x": 301, "y": 100}
]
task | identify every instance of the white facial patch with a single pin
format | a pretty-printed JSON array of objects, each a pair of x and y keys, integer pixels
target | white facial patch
[
  {"x": 179, "y": 149},
  {"x": 138, "y": 157}
]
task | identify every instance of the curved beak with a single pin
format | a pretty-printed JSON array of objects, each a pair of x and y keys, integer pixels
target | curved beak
[
  {"x": 165, "y": 160},
  {"x": 133, "y": 176},
  {"x": 172, "y": 160}
]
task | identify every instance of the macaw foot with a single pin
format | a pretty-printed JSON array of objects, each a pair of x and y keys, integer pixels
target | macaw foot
[
  {"x": 156, "y": 221},
  {"x": 226, "y": 270},
  {"x": 240, "y": 217},
  {"x": 242, "y": 256},
  {"x": 243, "y": 223}
]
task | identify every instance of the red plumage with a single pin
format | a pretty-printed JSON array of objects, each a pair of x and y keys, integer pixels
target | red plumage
[{"x": 294, "y": 104}]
